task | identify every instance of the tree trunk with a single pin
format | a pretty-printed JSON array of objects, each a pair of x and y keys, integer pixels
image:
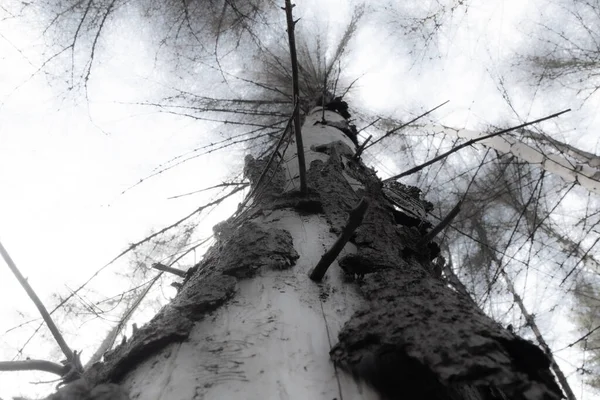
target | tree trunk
[{"x": 248, "y": 323}]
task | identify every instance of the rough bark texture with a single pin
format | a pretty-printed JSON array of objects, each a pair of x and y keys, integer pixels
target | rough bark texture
[
  {"x": 415, "y": 338},
  {"x": 238, "y": 254}
]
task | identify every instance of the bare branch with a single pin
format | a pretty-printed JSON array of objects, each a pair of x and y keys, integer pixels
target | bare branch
[
  {"x": 529, "y": 318},
  {"x": 271, "y": 158},
  {"x": 362, "y": 146},
  {"x": 33, "y": 365},
  {"x": 224, "y": 184},
  {"x": 38, "y": 303},
  {"x": 469, "y": 143},
  {"x": 134, "y": 245},
  {"x": 112, "y": 335},
  {"x": 406, "y": 124}
]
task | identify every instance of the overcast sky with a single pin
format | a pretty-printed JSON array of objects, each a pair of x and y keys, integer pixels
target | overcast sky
[{"x": 65, "y": 159}]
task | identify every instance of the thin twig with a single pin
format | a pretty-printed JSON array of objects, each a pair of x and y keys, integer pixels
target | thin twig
[
  {"x": 469, "y": 143},
  {"x": 452, "y": 279},
  {"x": 354, "y": 220},
  {"x": 530, "y": 319},
  {"x": 362, "y": 148},
  {"x": 296, "y": 90},
  {"x": 38, "y": 303},
  {"x": 173, "y": 225},
  {"x": 581, "y": 339},
  {"x": 135, "y": 245},
  {"x": 193, "y": 248},
  {"x": 224, "y": 184},
  {"x": 109, "y": 340},
  {"x": 406, "y": 124},
  {"x": 323, "y": 92},
  {"x": 376, "y": 120}
]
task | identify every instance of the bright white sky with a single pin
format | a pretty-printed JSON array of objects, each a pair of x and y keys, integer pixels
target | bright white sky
[{"x": 63, "y": 166}]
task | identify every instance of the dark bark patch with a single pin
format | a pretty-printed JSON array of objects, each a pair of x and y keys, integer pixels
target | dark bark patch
[
  {"x": 357, "y": 265},
  {"x": 275, "y": 177},
  {"x": 382, "y": 367},
  {"x": 309, "y": 203},
  {"x": 335, "y": 149},
  {"x": 404, "y": 219},
  {"x": 412, "y": 323},
  {"x": 422, "y": 253},
  {"x": 339, "y": 106},
  {"x": 253, "y": 246},
  {"x": 336, "y": 195},
  {"x": 82, "y": 390},
  {"x": 202, "y": 296},
  {"x": 309, "y": 206},
  {"x": 380, "y": 241}
]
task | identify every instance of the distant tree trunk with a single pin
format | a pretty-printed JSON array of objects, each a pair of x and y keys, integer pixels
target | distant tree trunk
[{"x": 248, "y": 323}]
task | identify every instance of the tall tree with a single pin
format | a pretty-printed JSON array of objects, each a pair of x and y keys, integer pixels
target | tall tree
[{"x": 247, "y": 322}]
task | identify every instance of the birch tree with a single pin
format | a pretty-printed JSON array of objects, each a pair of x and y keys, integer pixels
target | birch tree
[{"x": 248, "y": 322}]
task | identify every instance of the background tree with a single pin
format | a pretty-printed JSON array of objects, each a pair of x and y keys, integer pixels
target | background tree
[{"x": 565, "y": 51}]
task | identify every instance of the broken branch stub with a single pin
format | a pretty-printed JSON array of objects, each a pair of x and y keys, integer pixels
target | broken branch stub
[
  {"x": 354, "y": 220},
  {"x": 171, "y": 270},
  {"x": 443, "y": 223}
]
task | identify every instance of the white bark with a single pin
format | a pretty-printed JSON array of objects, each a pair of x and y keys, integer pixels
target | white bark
[
  {"x": 272, "y": 340},
  {"x": 248, "y": 322}
]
